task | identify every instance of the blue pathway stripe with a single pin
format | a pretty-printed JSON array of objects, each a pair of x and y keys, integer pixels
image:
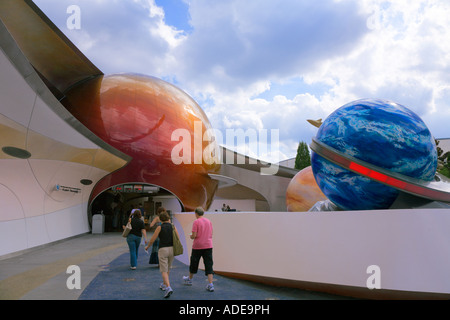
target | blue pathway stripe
[{"x": 117, "y": 281}]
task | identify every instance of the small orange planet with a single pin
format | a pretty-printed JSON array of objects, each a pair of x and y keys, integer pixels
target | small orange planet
[{"x": 303, "y": 192}]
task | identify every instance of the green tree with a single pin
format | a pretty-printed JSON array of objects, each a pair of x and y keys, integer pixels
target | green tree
[
  {"x": 303, "y": 158},
  {"x": 443, "y": 161}
]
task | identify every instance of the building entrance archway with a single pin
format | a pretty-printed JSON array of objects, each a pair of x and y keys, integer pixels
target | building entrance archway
[{"x": 116, "y": 203}]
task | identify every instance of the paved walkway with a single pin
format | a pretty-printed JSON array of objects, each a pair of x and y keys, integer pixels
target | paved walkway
[{"x": 106, "y": 275}]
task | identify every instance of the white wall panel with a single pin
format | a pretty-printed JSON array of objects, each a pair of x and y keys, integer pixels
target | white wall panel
[
  {"x": 21, "y": 234},
  {"x": 10, "y": 205},
  {"x": 37, "y": 232},
  {"x": 46, "y": 122},
  {"x": 32, "y": 213},
  {"x": 67, "y": 222},
  {"x": 17, "y": 175},
  {"x": 411, "y": 247},
  {"x": 41, "y": 214},
  {"x": 14, "y": 92},
  {"x": 13, "y": 236}
]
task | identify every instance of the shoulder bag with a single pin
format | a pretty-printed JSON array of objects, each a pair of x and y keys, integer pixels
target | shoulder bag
[
  {"x": 177, "y": 246},
  {"x": 127, "y": 230}
]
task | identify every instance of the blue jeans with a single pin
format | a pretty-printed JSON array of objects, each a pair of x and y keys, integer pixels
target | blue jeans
[{"x": 133, "y": 243}]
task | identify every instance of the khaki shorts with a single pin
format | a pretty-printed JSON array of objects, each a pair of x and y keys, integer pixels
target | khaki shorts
[{"x": 165, "y": 256}]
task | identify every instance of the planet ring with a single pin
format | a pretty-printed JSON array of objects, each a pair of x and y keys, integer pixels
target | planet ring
[{"x": 432, "y": 190}]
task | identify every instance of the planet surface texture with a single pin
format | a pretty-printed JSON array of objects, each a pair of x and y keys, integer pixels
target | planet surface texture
[
  {"x": 303, "y": 192},
  {"x": 381, "y": 133}
]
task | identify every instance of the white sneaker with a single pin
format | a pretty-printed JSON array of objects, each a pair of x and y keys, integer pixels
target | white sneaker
[
  {"x": 210, "y": 287},
  {"x": 168, "y": 291},
  {"x": 187, "y": 281}
]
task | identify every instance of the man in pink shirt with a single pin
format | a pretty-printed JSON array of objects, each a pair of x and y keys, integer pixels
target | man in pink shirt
[{"x": 202, "y": 231}]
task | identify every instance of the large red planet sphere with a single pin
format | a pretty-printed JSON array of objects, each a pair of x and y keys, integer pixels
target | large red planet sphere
[{"x": 138, "y": 115}]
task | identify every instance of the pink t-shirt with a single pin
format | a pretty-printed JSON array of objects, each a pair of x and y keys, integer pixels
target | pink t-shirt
[{"x": 204, "y": 230}]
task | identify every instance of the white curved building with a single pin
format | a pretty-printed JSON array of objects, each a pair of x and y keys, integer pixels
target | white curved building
[{"x": 50, "y": 163}]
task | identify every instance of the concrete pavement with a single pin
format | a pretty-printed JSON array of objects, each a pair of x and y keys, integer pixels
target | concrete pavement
[{"x": 104, "y": 269}]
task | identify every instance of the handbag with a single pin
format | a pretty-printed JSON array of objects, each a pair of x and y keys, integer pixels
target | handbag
[
  {"x": 177, "y": 246},
  {"x": 127, "y": 230}
]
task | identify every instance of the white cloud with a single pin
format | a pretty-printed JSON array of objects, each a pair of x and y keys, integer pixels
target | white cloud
[
  {"x": 235, "y": 43},
  {"x": 236, "y": 50},
  {"x": 120, "y": 36},
  {"x": 159, "y": 28},
  {"x": 404, "y": 58}
]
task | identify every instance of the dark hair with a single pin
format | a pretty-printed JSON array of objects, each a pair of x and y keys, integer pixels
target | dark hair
[
  {"x": 164, "y": 216},
  {"x": 160, "y": 209},
  {"x": 137, "y": 214},
  {"x": 199, "y": 211}
]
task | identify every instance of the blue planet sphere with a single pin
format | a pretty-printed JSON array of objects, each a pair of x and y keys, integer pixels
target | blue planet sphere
[{"x": 379, "y": 132}]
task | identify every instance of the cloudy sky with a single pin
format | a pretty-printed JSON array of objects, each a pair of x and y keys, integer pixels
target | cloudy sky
[{"x": 273, "y": 64}]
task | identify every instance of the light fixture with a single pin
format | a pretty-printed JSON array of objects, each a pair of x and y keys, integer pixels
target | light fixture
[
  {"x": 86, "y": 182},
  {"x": 16, "y": 152}
]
